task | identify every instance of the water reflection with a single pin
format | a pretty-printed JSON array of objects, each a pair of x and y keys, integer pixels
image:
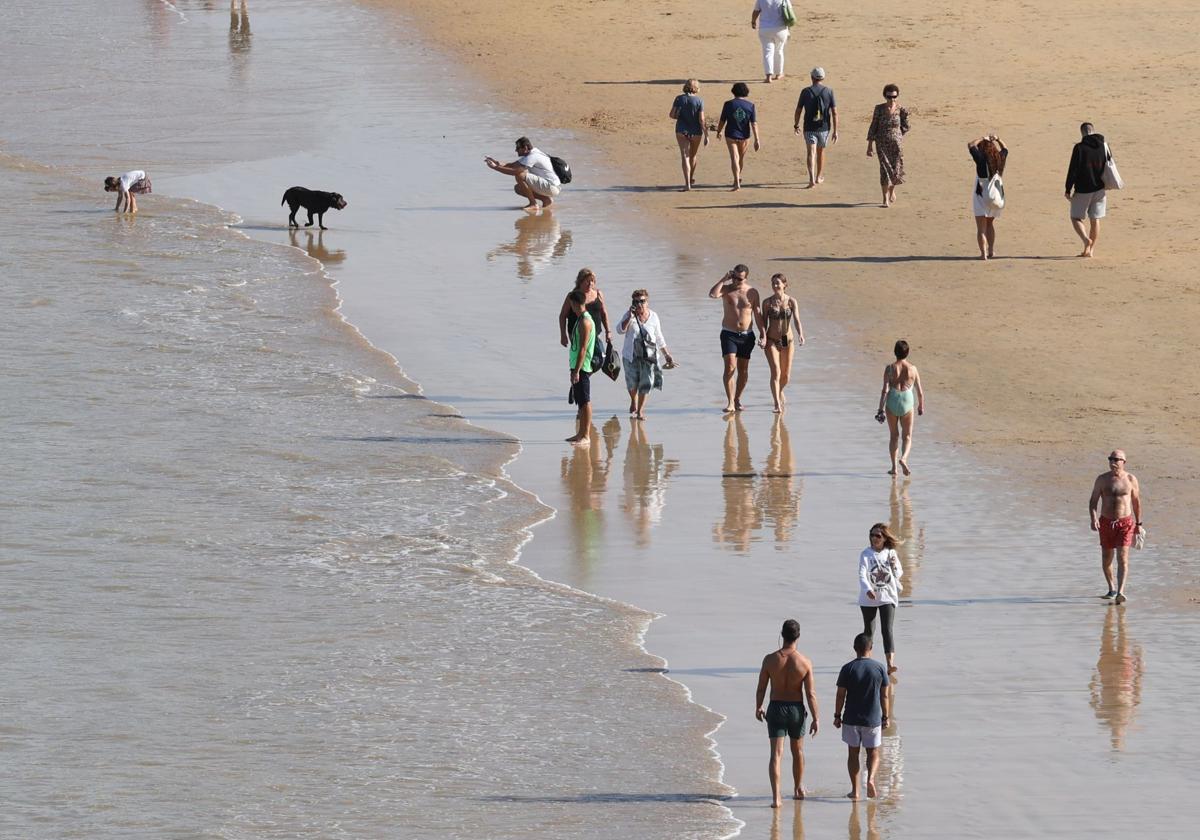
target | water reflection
[
  {"x": 890, "y": 777},
  {"x": 796, "y": 818},
  {"x": 315, "y": 246},
  {"x": 539, "y": 243},
  {"x": 1116, "y": 685},
  {"x": 903, "y": 525},
  {"x": 855, "y": 827},
  {"x": 585, "y": 478},
  {"x": 239, "y": 29},
  {"x": 645, "y": 472},
  {"x": 778, "y": 491},
  {"x": 741, "y": 517}
]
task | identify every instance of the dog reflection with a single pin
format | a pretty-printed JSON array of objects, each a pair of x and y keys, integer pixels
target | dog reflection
[{"x": 315, "y": 247}]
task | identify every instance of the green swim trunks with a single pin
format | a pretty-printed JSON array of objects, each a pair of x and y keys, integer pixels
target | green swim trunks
[{"x": 786, "y": 717}]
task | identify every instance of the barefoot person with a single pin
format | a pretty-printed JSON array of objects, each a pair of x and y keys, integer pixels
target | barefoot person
[
  {"x": 644, "y": 354},
  {"x": 885, "y": 139},
  {"x": 990, "y": 155},
  {"x": 742, "y": 311},
  {"x": 128, "y": 187},
  {"x": 777, "y": 338},
  {"x": 900, "y": 382},
  {"x": 879, "y": 573},
  {"x": 739, "y": 122},
  {"x": 691, "y": 129},
  {"x": 1085, "y": 175},
  {"x": 583, "y": 343},
  {"x": 861, "y": 712},
  {"x": 534, "y": 174},
  {"x": 817, "y": 107},
  {"x": 773, "y": 31},
  {"x": 790, "y": 675},
  {"x": 1115, "y": 509}
]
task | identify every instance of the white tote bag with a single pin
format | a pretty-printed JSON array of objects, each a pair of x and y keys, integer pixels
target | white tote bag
[
  {"x": 994, "y": 192},
  {"x": 1111, "y": 177}
]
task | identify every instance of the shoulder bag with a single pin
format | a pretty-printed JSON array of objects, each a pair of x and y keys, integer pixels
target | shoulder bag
[
  {"x": 788, "y": 14},
  {"x": 1111, "y": 177}
]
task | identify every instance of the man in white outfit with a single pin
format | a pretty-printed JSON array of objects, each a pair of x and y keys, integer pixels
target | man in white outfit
[
  {"x": 535, "y": 177},
  {"x": 767, "y": 18}
]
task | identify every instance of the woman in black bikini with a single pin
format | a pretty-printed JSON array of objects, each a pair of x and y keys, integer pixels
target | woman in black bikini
[{"x": 778, "y": 339}]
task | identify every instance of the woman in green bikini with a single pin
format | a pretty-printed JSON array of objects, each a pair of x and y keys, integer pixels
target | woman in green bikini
[{"x": 900, "y": 381}]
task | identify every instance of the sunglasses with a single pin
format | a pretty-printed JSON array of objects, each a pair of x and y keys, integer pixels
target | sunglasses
[
  {"x": 1115, "y": 460},
  {"x": 875, "y": 535},
  {"x": 893, "y": 96},
  {"x": 639, "y": 300}
]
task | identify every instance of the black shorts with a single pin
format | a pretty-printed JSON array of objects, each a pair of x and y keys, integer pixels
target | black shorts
[
  {"x": 741, "y": 343},
  {"x": 582, "y": 390}
]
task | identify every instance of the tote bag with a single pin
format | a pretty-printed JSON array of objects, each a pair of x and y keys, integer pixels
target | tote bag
[
  {"x": 1111, "y": 177},
  {"x": 788, "y": 13}
]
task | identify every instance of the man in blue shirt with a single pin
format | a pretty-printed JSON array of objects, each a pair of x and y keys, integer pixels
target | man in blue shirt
[
  {"x": 861, "y": 712},
  {"x": 818, "y": 109}
]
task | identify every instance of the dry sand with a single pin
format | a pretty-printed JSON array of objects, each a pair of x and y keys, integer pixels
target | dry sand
[{"x": 1048, "y": 359}]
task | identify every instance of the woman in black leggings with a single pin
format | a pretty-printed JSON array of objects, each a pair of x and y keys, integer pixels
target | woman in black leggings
[{"x": 879, "y": 573}]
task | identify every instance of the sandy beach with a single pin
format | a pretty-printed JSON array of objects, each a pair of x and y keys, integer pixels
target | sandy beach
[{"x": 1046, "y": 361}]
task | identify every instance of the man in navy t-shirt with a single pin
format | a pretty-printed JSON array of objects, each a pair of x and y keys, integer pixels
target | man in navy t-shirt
[
  {"x": 860, "y": 711},
  {"x": 818, "y": 108}
]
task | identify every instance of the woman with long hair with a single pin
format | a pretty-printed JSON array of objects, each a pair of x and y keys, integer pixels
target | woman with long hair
[
  {"x": 879, "y": 573},
  {"x": 691, "y": 129},
  {"x": 777, "y": 338},
  {"x": 739, "y": 121},
  {"x": 585, "y": 281},
  {"x": 990, "y": 154}
]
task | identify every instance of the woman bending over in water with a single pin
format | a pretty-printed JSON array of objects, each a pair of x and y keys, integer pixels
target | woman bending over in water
[
  {"x": 777, "y": 339},
  {"x": 900, "y": 381}
]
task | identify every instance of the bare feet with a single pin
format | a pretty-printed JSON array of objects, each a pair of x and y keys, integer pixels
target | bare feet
[
  {"x": 729, "y": 409},
  {"x": 639, "y": 416},
  {"x": 579, "y": 440},
  {"x": 767, "y": 80},
  {"x": 904, "y": 467},
  {"x": 810, "y": 185},
  {"x": 983, "y": 257},
  {"x": 778, "y": 409},
  {"x": 737, "y": 405},
  {"x": 892, "y": 471},
  {"x": 820, "y": 179},
  {"x": 853, "y": 795},
  {"x": 799, "y": 794},
  {"x": 546, "y": 202},
  {"x": 735, "y": 188},
  {"x": 871, "y": 792},
  {"x": 775, "y": 803},
  {"x": 1120, "y": 599},
  {"x": 530, "y": 208}
]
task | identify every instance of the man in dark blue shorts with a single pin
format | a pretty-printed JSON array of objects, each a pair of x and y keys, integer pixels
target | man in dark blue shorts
[
  {"x": 737, "y": 330},
  {"x": 790, "y": 676}
]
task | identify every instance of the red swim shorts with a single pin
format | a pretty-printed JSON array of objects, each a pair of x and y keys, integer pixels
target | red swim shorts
[{"x": 1117, "y": 533}]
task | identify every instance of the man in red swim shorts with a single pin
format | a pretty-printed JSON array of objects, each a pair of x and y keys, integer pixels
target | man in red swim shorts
[{"x": 1117, "y": 517}]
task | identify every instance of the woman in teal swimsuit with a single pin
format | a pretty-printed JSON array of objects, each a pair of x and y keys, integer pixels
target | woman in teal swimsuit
[{"x": 900, "y": 382}]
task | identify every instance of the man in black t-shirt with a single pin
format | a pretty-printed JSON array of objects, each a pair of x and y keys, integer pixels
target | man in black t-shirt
[
  {"x": 818, "y": 109},
  {"x": 861, "y": 712}
]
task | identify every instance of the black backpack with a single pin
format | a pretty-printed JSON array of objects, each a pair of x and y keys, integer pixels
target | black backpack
[{"x": 561, "y": 168}]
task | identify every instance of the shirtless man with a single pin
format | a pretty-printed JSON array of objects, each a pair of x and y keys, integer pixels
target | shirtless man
[
  {"x": 1118, "y": 518},
  {"x": 791, "y": 677},
  {"x": 742, "y": 313}
]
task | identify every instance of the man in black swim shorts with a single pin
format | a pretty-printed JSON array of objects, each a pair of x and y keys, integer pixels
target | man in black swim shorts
[
  {"x": 737, "y": 330},
  {"x": 790, "y": 675}
]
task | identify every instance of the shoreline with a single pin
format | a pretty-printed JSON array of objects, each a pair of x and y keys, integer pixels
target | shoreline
[{"x": 1022, "y": 409}]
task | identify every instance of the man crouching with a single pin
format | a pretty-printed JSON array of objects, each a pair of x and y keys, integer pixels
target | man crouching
[{"x": 535, "y": 176}]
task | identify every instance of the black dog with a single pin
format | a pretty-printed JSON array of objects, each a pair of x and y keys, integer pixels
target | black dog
[{"x": 314, "y": 201}]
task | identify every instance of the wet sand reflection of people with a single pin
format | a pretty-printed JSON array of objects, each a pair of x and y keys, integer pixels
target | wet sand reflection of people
[
  {"x": 797, "y": 823},
  {"x": 903, "y": 525},
  {"x": 585, "y": 478},
  {"x": 538, "y": 244},
  {"x": 1116, "y": 685},
  {"x": 741, "y": 516},
  {"x": 778, "y": 496},
  {"x": 315, "y": 248},
  {"x": 646, "y": 472},
  {"x": 854, "y": 828}
]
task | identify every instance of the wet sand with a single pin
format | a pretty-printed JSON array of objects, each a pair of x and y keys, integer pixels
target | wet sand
[{"x": 1046, "y": 362}]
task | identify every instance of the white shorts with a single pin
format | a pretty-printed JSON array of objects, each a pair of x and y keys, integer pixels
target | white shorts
[
  {"x": 1089, "y": 205},
  {"x": 862, "y": 736},
  {"x": 979, "y": 203},
  {"x": 542, "y": 186}
]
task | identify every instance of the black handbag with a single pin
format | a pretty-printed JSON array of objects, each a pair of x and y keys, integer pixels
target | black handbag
[{"x": 612, "y": 363}]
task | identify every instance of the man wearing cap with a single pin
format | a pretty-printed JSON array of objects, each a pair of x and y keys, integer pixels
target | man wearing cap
[
  {"x": 818, "y": 110},
  {"x": 1118, "y": 519}
]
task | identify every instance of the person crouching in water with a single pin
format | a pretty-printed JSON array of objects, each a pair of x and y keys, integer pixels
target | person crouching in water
[{"x": 127, "y": 187}]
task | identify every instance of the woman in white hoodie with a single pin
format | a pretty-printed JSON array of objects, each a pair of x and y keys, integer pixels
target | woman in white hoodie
[{"x": 879, "y": 573}]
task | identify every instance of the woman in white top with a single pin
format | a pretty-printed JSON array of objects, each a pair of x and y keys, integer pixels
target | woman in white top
[
  {"x": 879, "y": 573},
  {"x": 645, "y": 352},
  {"x": 767, "y": 18},
  {"x": 128, "y": 186}
]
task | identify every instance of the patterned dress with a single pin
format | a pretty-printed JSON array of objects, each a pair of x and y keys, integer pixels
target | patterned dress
[{"x": 887, "y": 129}]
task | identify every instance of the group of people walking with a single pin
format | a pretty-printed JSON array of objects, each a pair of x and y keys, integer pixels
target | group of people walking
[{"x": 862, "y": 702}]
